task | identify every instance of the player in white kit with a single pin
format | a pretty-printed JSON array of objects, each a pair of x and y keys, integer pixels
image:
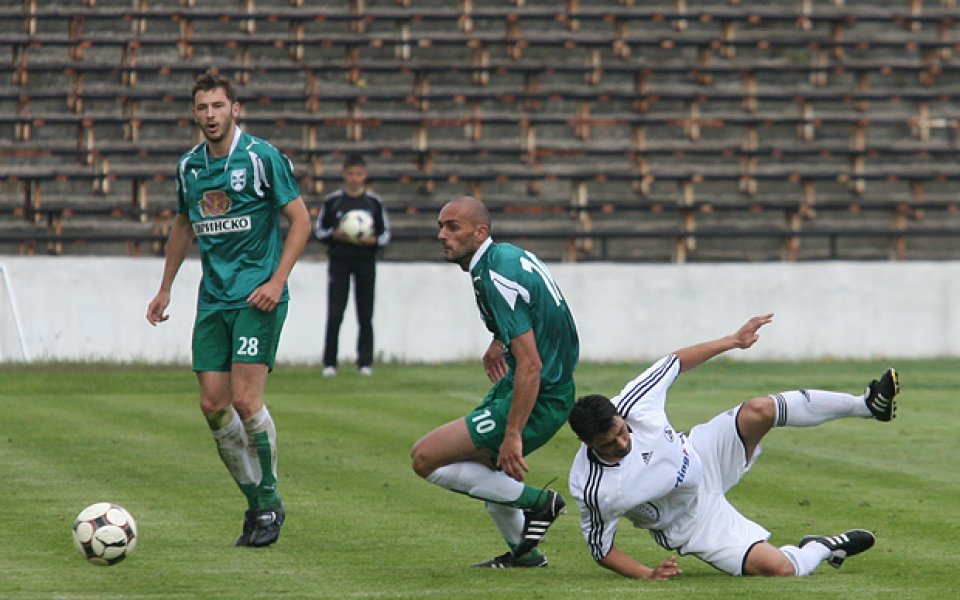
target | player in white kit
[{"x": 634, "y": 464}]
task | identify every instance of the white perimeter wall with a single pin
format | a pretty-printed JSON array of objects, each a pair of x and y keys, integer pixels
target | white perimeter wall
[{"x": 93, "y": 309}]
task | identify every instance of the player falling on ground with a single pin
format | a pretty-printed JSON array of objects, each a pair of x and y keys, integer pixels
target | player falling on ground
[
  {"x": 231, "y": 191},
  {"x": 634, "y": 464},
  {"x": 530, "y": 360}
]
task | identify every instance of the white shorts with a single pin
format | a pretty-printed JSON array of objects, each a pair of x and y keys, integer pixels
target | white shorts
[{"x": 722, "y": 536}]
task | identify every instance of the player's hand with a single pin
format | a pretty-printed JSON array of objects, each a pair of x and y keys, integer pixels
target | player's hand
[
  {"x": 510, "y": 458},
  {"x": 266, "y": 297},
  {"x": 747, "y": 335},
  {"x": 493, "y": 363},
  {"x": 156, "y": 308},
  {"x": 666, "y": 569}
]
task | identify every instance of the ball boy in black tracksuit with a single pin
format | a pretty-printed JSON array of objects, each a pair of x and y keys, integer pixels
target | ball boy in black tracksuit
[{"x": 347, "y": 257}]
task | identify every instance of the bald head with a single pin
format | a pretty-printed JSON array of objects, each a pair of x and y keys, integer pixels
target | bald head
[
  {"x": 464, "y": 225},
  {"x": 471, "y": 209}
]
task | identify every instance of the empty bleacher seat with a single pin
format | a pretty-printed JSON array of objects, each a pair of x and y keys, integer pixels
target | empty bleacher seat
[{"x": 662, "y": 130}]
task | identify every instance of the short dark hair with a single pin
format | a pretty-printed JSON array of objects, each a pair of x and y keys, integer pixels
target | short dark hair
[
  {"x": 210, "y": 81},
  {"x": 591, "y": 416},
  {"x": 354, "y": 160}
]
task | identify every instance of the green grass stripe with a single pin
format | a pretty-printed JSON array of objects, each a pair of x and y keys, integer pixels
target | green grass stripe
[{"x": 361, "y": 525}]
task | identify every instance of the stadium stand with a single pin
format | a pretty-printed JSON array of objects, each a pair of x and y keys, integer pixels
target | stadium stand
[{"x": 612, "y": 130}]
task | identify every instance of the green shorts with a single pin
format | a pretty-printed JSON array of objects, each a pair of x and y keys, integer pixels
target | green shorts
[
  {"x": 487, "y": 422},
  {"x": 222, "y": 337}
]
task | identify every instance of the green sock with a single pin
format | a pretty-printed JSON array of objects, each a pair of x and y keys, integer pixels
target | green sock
[
  {"x": 533, "y": 556},
  {"x": 530, "y": 498},
  {"x": 250, "y": 492},
  {"x": 267, "y": 488}
]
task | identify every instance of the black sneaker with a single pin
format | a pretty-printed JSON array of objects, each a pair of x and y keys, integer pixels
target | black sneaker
[
  {"x": 266, "y": 527},
  {"x": 880, "y": 396},
  {"x": 509, "y": 561},
  {"x": 248, "y": 522},
  {"x": 843, "y": 545},
  {"x": 536, "y": 522}
]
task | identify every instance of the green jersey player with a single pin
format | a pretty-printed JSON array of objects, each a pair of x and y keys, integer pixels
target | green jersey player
[
  {"x": 530, "y": 360},
  {"x": 231, "y": 191}
]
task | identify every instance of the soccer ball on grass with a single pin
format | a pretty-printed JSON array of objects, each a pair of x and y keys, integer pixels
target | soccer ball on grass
[
  {"x": 104, "y": 533},
  {"x": 357, "y": 224}
]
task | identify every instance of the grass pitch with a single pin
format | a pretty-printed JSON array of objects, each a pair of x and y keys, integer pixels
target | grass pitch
[{"x": 360, "y": 524}]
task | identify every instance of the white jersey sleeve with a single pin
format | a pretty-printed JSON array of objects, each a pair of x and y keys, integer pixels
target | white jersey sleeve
[
  {"x": 598, "y": 519},
  {"x": 644, "y": 399}
]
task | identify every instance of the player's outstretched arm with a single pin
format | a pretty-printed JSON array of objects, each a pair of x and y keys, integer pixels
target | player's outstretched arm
[
  {"x": 743, "y": 338},
  {"x": 626, "y": 565}
]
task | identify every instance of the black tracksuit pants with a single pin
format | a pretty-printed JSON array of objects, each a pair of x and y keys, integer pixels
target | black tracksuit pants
[{"x": 364, "y": 272}]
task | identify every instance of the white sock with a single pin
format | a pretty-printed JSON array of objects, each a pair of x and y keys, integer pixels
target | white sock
[
  {"x": 806, "y": 559},
  {"x": 475, "y": 479},
  {"x": 806, "y": 408},
  {"x": 509, "y": 521},
  {"x": 235, "y": 452}
]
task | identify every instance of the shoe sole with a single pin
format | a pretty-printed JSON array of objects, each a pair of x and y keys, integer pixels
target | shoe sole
[{"x": 896, "y": 381}]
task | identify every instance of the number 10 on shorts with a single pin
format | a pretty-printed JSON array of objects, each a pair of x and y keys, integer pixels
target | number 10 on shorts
[{"x": 483, "y": 422}]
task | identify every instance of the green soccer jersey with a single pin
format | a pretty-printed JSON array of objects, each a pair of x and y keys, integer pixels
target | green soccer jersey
[
  {"x": 516, "y": 292},
  {"x": 234, "y": 203}
]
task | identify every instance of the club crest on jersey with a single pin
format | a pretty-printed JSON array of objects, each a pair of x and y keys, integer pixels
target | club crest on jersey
[
  {"x": 214, "y": 203},
  {"x": 238, "y": 179},
  {"x": 668, "y": 434}
]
